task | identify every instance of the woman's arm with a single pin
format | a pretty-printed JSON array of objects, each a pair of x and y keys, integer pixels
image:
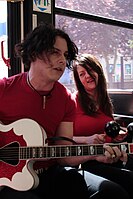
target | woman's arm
[
  {"x": 66, "y": 130},
  {"x": 93, "y": 139}
]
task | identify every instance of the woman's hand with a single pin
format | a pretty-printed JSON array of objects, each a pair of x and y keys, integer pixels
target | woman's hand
[
  {"x": 120, "y": 137},
  {"x": 93, "y": 139},
  {"x": 96, "y": 139}
]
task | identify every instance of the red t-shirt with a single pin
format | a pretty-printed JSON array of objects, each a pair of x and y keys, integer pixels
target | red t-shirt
[
  {"x": 86, "y": 125},
  {"x": 18, "y": 100}
]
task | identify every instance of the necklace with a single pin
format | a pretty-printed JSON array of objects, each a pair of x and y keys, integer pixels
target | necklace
[{"x": 43, "y": 94}]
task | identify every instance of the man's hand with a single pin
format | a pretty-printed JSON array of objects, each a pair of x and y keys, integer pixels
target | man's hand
[{"x": 112, "y": 155}]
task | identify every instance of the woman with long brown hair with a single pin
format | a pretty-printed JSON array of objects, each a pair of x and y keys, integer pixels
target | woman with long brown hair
[{"x": 94, "y": 110}]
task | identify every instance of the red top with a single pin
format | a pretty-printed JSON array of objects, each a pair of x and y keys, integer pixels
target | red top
[
  {"x": 86, "y": 125},
  {"x": 18, "y": 100}
]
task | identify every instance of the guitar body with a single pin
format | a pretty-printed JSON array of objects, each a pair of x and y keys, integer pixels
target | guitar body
[
  {"x": 23, "y": 142},
  {"x": 19, "y": 174}
]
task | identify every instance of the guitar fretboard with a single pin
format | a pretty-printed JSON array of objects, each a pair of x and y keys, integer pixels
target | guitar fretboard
[
  {"x": 67, "y": 151},
  {"x": 15, "y": 152},
  {"x": 60, "y": 151}
]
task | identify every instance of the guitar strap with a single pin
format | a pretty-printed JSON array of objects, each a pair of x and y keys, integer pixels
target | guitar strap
[{"x": 60, "y": 138}]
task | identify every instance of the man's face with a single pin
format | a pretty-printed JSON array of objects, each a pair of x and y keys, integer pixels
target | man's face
[{"x": 56, "y": 60}]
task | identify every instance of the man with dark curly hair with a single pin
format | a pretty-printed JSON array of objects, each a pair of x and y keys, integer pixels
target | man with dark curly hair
[{"x": 37, "y": 113}]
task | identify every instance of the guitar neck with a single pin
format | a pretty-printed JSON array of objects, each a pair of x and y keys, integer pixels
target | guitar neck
[{"x": 68, "y": 151}]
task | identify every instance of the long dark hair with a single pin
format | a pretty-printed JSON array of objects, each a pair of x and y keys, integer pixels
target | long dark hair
[
  {"x": 89, "y": 105},
  {"x": 41, "y": 40}
]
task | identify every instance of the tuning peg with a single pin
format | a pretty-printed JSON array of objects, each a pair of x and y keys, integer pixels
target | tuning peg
[{"x": 112, "y": 129}]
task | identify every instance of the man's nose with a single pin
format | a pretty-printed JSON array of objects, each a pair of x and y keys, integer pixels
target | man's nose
[{"x": 62, "y": 59}]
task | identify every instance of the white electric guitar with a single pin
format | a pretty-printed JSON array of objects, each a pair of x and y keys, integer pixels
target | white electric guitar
[{"x": 23, "y": 142}]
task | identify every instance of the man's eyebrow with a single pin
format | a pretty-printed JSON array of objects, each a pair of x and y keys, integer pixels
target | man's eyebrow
[
  {"x": 56, "y": 49},
  {"x": 60, "y": 50}
]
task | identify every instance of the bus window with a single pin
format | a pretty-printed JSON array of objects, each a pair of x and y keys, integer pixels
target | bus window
[{"x": 3, "y": 37}]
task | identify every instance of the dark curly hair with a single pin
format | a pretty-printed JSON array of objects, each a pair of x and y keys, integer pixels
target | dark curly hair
[
  {"x": 88, "y": 104},
  {"x": 40, "y": 40}
]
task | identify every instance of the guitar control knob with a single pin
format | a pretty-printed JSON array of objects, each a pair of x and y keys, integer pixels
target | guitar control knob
[{"x": 112, "y": 129}]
